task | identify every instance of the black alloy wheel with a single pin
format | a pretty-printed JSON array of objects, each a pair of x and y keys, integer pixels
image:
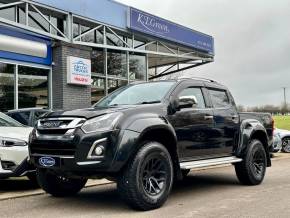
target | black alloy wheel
[
  {"x": 154, "y": 175},
  {"x": 146, "y": 181},
  {"x": 251, "y": 171}
]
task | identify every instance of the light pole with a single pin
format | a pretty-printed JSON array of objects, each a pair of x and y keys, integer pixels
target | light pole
[
  {"x": 284, "y": 108},
  {"x": 285, "y": 101}
]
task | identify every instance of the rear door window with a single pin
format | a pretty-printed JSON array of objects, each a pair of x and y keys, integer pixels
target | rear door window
[{"x": 219, "y": 98}]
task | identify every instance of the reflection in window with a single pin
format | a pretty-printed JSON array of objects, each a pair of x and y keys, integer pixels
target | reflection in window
[
  {"x": 197, "y": 93},
  {"x": 89, "y": 37},
  {"x": 114, "y": 40},
  {"x": 35, "y": 20},
  {"x": 219, "y": 98},
  {"x": 117, "y": 64},
  {"x": 137, "y": 67},
  {"x": 32, "y": 87},
  {"x": 97, "y": 89},
  {"x": 114, "y": 84},
  {"x": 21, "y": 15},
  {"x": 98, "y": 61},
  {"x": 8, "y": 13},
  {"x": 6, "y": 87},
  {"x": 76, "y": 30}
]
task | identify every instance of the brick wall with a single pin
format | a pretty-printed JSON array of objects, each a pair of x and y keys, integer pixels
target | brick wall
[{"x": 66, "y": 96}]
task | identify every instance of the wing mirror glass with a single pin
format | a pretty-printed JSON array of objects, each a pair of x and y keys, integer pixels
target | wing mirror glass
[{"x": 186, "y": 101}]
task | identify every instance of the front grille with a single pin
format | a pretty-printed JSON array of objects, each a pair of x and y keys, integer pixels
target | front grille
[
  {"x": 55, "y": 136},
  {"x": 53, "y": 148},
  {"x": 51, "y": 124},
  {"x": 52, "y": 131}
]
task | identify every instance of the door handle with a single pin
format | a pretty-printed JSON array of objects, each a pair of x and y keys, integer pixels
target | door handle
[{"x": 208, "y": 117}]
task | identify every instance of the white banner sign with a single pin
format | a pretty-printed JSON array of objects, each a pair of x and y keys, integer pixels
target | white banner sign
[{"x": 78, "y": 71}]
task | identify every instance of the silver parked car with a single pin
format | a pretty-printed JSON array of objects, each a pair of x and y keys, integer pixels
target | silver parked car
[
  {"x": 277, "y": 142},
  {"x": 285, "y": 138}
]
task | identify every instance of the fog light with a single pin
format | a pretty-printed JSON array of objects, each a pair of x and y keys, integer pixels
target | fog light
[{"x": 99, "y": 150}]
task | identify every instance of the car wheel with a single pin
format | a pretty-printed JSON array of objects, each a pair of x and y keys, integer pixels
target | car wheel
[
  {"x": 147, "y": 180},
  {"x": 59, "y": 186},
  {"x": 286, "y": 145},
  {"x": 252, "y": 169}
]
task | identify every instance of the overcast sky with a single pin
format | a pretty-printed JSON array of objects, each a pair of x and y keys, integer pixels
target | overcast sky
[{"x": 252, "y": 43}]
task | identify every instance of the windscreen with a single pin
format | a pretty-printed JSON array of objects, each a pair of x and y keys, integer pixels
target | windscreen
[{"x": 144, "y": 93}]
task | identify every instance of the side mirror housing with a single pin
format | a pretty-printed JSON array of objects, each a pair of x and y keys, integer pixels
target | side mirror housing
[{"x": 186, "y": 101}]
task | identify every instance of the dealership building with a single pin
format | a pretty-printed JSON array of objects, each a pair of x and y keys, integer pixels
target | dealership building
[{"x": 67, "y": 54}]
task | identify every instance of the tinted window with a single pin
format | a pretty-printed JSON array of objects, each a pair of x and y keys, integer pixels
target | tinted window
[
  {"x": 22, "y": 117},
  {"x": 197, "y": 93},
  {"x": 219, "y": 98},
  {"x": 137, "y": 94}
]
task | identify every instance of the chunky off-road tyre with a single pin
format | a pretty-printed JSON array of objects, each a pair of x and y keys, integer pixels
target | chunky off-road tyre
[
  {"x": 147, "y": 179},
  {"x": 59, "y": 186},
  {"x": 286, "y": 145},
  {"x": 252, "y": 169}
]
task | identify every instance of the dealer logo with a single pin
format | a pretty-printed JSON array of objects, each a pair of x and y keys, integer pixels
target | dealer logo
[
  {"x": 80, "y": 68},
  {"x": 153, "y": 25},
  {"x": 46, "y": 161}
]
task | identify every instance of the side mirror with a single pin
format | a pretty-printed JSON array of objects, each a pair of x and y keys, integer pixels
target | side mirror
[{"x": 186, "y": 101}]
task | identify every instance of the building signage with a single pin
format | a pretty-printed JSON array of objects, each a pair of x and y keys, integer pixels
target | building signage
[
  {"x": 78, "y": 71},
  {"x": 20, "y": 45},
  {"x": 155, "y": 26}
]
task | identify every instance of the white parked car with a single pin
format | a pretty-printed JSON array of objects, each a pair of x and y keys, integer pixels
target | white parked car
[
  {"x": 285, "y": 137},
  {"x": 13, "y": 149}
]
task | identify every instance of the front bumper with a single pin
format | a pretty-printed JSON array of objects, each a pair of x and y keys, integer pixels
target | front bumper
[
  {"x": 13, "y": 161},
  {"x": 20, "y": 170},
  {"x": 73, "y": 153}
]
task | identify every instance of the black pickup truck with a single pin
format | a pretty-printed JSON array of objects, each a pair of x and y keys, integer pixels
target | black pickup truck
[{"x": 145, "y": 136}]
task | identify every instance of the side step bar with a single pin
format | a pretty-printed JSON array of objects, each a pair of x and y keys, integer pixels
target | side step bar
[{"x": 209, "y": 162}]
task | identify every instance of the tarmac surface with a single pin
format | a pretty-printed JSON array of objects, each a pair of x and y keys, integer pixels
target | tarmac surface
[{"x": 213, "y": 192}]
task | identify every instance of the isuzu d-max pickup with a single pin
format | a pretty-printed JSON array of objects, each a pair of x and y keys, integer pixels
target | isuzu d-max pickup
[{"x": 147, "y": 135}]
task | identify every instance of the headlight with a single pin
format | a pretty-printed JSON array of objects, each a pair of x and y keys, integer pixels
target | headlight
[
  {"x": 102, "y": 123},
  {"x": 9, "y": 142}
]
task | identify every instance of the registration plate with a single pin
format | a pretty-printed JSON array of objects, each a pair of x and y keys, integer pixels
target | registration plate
[{"x": 47, "y": 161}]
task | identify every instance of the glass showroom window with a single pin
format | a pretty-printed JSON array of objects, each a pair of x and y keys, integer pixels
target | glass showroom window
[
  {"x": 137, "y": 67},
  {"x": 6, "y": 86},
  {"x": 32, "y": 87},
  {"x": 97, "y": 89},
  {"x": 7, "y": 13},
  {"x": 98, "y": 62},
  {"x": 117, "y": 64},
  {"x": 114, "y": 84}
]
